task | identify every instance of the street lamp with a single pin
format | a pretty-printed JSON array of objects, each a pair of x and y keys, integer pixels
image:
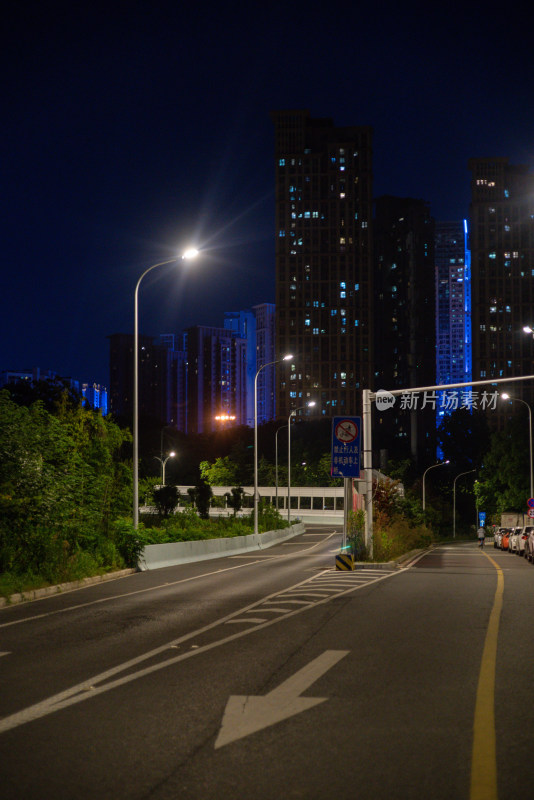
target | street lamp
[
  {"x": 163, "y": 461},
  {"x": 276, "y": 461},
  {"x": 292, "y": 414},
  {"x": 256, "y": 497},
  {"x": 506, "y": 396},
  {"x": 441, "y": 464},
  {"x": 187, "y": 256},
  {"x": 454, "y": 500}
]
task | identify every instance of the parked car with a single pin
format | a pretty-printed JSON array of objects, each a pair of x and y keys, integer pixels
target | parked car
[
  {"x": 513, "y": 544},
  {"x": 505, "y": 539},
  {"x": 522, "y": 540},
  {"x": 497, "y": 537},
  {"x": 529, "y": 544}
]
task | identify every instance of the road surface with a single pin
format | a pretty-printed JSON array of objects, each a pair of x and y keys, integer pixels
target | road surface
[{"x": 273, "y": 676}]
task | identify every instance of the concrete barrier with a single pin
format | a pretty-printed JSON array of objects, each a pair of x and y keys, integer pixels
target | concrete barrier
[{"x": 155, "y": 556}]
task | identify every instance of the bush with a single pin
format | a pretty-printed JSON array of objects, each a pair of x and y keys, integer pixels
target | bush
[{"x": 393, "y": 538}]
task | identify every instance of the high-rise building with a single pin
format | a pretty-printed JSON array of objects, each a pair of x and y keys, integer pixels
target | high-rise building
[
  {"x": 404, "y": 316},
  {"x": 97, "y": 397},
  {"x": 265, "y": 354},
  {"x": 502, "y": 263},
  {"x": 453, "y": 311},
  {"x": 243, "y": 325},
  {"x": 157, "y": 391},
  {"x": 216, "y": 378},
  {"x": 323, "y": 262}
]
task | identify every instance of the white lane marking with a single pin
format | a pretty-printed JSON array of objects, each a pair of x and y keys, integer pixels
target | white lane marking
[
  {"x": 6, "y": 653},
  {"x": 245, "y": 715},
  {"x": 254, "y": 620},
  {"x": 152, "y": 588},
  {"x": 90, "y": 688}
]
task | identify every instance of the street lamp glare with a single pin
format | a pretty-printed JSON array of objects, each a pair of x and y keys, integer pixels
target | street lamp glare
[
  {"x": 505, "y": 396},
  {"x": 189, "y": 254},
  {"x": 527, "y": 329},
  {"x": 288, "y": 357},
  {"x": 171, "y": 455},
  {"x": 312, "y": 403}
]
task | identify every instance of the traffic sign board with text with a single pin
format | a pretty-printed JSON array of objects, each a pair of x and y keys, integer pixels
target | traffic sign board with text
[{"x": 346, "y": 446}]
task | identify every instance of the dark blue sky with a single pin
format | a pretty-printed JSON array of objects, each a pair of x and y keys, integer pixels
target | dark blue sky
[{"x": 131, "y": 129}]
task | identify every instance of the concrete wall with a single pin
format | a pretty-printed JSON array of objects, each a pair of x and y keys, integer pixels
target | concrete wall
[{"x": 155, "y": 556}]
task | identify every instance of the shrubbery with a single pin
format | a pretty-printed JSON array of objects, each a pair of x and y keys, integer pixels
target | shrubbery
[{"x": 63, "y": 487}]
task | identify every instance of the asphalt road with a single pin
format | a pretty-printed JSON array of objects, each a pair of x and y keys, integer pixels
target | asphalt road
[{"x": 273, "y": 676}]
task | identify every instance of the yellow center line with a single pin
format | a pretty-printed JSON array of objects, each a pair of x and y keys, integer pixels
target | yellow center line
[{"x": 484, "y": 756}]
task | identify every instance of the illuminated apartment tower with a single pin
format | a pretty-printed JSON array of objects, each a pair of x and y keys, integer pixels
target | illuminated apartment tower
[
  {"x": 323, "y": 262},
  {"x": 502, "y": 264},
  {"x": 453, "y": 308},
  {"x": 405, "y": 334}
]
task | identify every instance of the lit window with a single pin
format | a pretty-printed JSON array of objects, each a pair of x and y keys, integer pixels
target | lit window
[{"x": 282, "y": 162}]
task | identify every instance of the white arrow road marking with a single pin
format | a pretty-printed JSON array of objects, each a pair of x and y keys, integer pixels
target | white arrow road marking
[{"x": 245, "y": 715}]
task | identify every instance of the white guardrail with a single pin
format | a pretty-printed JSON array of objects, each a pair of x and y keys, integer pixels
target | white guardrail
[{"x": 155, "y": 556}]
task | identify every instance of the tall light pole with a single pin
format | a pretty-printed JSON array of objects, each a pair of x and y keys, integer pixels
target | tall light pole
[
  {"x": 454, "y": 500},
  {"x": 163, "y": 462},
  {"x": 276, "y": 461},
  {"x": 187, "y": 255},
  {"x": 506, "y": 396},
  {"x": 292, "y": 414},
  {"x": 256, "y": 497},
  {"x": 441, "y": 464}
]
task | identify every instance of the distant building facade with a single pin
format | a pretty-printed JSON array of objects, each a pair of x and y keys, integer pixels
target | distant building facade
[
  {"x": 404, "y": 316},
  {"x": 323, "y": 252},
  {"x": 453, "y": 309},
  {"x": 97, "y": 397},
  {"x": 157, "y": 391},
  {"x": 502, "y": 263},
  {"x": 265, "y": 354},
  {"x": 216, "y": 378}
]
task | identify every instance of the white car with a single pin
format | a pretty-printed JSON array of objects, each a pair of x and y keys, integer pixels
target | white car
[
  {"x": 522, "y": 539},
  {"x": 513, "y": 544},
  {"x": 497, "y": 536},
  {"x": 529, "y": 543}
]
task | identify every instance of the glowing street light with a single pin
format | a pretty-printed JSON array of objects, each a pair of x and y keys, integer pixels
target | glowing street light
[
  {"x": 454, "y": 500},
  {"x": 256, "y": 497},
  {"x": 186, "y": 256},
  {"x": 506, "y": 396},
  {"x": 163, "y": 461},
  {"x": 292, "y": 414},
  {"x": 441, "y": 464}
]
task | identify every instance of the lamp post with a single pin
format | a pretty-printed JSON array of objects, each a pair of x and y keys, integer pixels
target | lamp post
[
  {"x": 506, "y": 396},
  {"x": 454, "y": 500},
  {"x": 276, "y": 461},
  {"x": 163, "y": 461},
  {"x": 292, "y": 414},
  {"x": 187, "y": 255},
  {"x": 256, "y": 497},
  {"x": 441, "y": 464}
]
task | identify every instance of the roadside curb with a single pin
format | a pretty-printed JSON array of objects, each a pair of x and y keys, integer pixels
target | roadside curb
[{"x": 47, "y": 591}]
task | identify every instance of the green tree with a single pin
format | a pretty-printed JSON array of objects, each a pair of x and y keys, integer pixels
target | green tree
[
  {"x": 166, "y": 499},
  {"x": 503, "y": 481},
  {"x": 62, "y": 485},
  {"x": 201, "y": 495},
  {"x": 223, "y": 472},
  {"x": 235, "y": 499}
]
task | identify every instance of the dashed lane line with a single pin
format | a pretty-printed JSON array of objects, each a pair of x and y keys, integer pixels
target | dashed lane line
[{"x": 115, "y": 677}]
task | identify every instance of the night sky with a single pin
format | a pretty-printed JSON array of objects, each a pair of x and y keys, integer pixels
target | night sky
[{"x": 133, "y": 129}]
